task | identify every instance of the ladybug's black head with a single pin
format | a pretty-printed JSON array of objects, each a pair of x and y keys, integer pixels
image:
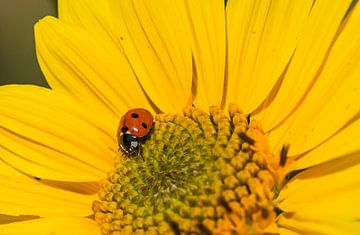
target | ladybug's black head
[{"x": 129, "y": 143}]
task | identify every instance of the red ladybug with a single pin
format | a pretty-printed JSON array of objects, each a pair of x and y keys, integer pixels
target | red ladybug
[{"x": 133, "y": 128}]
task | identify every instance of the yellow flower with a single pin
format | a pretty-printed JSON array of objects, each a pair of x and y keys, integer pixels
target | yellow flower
[{"x": 285, "y": 160}]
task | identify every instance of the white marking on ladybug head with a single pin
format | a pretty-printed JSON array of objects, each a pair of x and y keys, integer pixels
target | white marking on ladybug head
[
  {"x": 128, "y": 132},
  {"x": 121, "y": 133},
  {"x": 134, "y": 144}
]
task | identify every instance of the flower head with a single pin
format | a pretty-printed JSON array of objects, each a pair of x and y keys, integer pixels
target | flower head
[{"x": 257, "y": 120}]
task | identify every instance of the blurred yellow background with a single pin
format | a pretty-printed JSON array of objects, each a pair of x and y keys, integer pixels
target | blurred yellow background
[{"x": 18, "y": 62}]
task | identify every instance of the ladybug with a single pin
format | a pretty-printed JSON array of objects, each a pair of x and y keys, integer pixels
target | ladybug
[{"x": 133, "y": 128}]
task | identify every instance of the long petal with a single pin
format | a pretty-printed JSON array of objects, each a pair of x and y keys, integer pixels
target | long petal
[
  {"x": 300, "y": 225},
  {"x": 286, "y": 231},
  {"x": 50, "y": 136},
  {"x": 88, "y": 68},
  {"x": 207, "y": 21},
  {"x": 262, "y": 36},
  {"x": 320, "y": 31},
  {"x": 77, "y": 187},
  {"x": 342, "y": 144},
  {"x": 5, "y": 219},
  {"x": 329, "y": 192},
  {"x": 23, "y": 195},
  {"x": 333, "y": 100},
  {"x": 58, "y": 226},
  {"x": 156, "y": 43},
  {"x": 92, "y": 15}
]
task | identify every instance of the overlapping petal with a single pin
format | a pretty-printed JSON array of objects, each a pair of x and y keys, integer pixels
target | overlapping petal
[
  {"x": 23, "y": 195},
  {"x": 58, "y": 226},
  {"x": 332, "y": 101},
  {"x": 321, "y": 29},
  {"x": 157, "y": 45},
  {"x": 262, "y": 36},
  {"x": 207, "y": 22},
  {"x": 298, "y": 225},
  {"x": 88, "y": 68},
  {"x": 5, "y": 219},
  {"x": 49, "y": 135},
  {"x": 340, "y": 145},
  {"x": 324, "y": 198},
  {"x": 92, "y": 15}
]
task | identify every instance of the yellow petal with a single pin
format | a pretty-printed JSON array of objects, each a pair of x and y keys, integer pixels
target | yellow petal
[
  {"x": 92, "y": 15},
  {"x": 4, "y": 219},
  {"x": 340, "y": 205},
  {"x": 88, "y": 68},
  {"x": 343, "y": 143},
  {"x": 321, "y": 27},
  {"x": 207, "y": 21},
  {"x": 156, "y": 43},
  {"x": 51, "y": 136},
  {"x": 285, "y": 231},
  {"x": 333, "y": 100},
  {"x": 328, "y": 192},
  {"x": 300, "y": 225},
  {"x": 7, "y": 170},
  {"x": 77, "y": 187},
  {"x": 262, "y": 36},
  {"x": 58, "y": 226},
  {"x": 23, "y": 195}
]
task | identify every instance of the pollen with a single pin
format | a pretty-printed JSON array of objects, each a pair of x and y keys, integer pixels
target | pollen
[{"x": 197, "y": 173}]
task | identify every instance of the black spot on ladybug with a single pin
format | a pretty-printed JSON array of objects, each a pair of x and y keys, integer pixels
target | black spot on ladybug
[
  {"x": 124, "y": 129},
  {"x": 144, "y": 125},
  {"x": 134, "y": 115}
]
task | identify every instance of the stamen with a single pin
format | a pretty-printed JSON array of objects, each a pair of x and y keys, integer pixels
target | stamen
[
  {"x": 246, "y": 138},
  {"x": 197, "y": 173}
]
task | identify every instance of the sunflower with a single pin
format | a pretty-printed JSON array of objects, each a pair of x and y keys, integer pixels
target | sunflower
[{"x": 256, "y": 131}]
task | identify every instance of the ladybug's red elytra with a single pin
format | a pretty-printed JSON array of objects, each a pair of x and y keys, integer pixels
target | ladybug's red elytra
[{"x": 133, "y": 128}]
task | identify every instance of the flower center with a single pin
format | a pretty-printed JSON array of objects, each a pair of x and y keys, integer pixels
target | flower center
[{"x": 196, "y": 173}]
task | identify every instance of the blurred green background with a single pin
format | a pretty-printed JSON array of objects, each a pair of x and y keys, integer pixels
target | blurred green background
[{"x": 18, "y": 62}]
